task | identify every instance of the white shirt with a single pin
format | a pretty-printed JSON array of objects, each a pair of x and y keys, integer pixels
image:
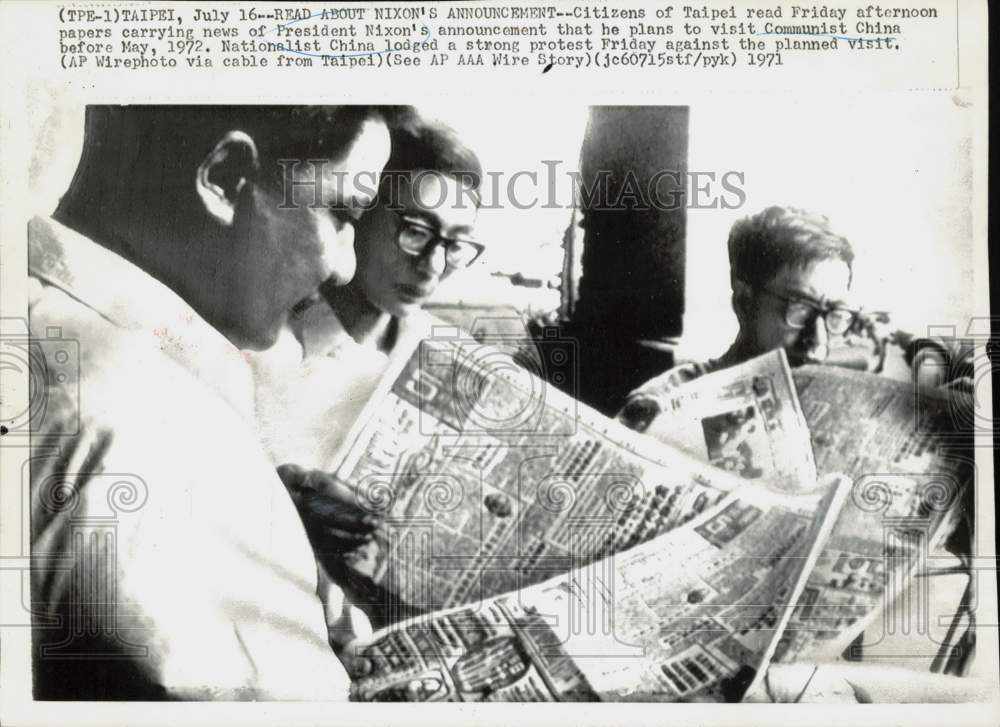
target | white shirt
[
  {"x": 172, "y": 562},
  {"x": 313, "y": 384}
]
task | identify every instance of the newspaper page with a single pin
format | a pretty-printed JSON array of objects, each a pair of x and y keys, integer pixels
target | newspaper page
[
  {"x": 189, "y": 189},
  {"x": 862, "y": 423},
  {"x": 622, "y": 628},
  {"x": 908, "y": 455},
  {"x": 745, "y": 419},
  {"x": 491, "y": 479},
  {"x": 909, "y": 459}
]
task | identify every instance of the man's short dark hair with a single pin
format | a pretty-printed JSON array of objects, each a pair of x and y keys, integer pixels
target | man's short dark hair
[
  {"x": 177, "y": 138},
  {"x": 423, "y": 145},
  {"x": 761, "y": 245}
]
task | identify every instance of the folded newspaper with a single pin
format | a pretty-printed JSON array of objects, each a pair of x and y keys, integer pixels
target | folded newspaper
[
  {"x": 904, "y": 451},
  {"x": 694, "y": 614},
  {"x": 501, "y": 493}
]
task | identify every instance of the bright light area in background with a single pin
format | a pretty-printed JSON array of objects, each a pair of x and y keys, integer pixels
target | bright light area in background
[
  {"x": 893, "y": 174},
  {"x": 518, "y": 137},
  {"x": 58, "y": 143}
]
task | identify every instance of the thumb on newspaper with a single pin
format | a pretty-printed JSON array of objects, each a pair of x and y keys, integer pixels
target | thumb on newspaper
[
  {"x": 345, "y": 622},
  {"x": 355, "y": 663}
]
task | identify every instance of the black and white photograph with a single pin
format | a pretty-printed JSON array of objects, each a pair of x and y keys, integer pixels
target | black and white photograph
[{"x": 500, "y": 398}]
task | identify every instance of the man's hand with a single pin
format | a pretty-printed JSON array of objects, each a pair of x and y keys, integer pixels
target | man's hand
[
  {"x": 351, "y": 656},
  {"x": 947, "y": 363},
  {"x": 639, "y": 412},
  {"x": 869, "y": 335},
  {"x": 334, "y": 519},
  {"x": 345, "y": 622}
]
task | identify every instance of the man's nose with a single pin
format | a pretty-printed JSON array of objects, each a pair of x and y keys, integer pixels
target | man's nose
[
  {"x": 433, "y": 262},
  {"x": 816, "y": 341},
  {"x": 338, "y": 254}
]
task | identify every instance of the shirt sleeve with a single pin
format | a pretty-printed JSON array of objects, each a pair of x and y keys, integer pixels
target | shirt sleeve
[{"x": 171, "y": 562}]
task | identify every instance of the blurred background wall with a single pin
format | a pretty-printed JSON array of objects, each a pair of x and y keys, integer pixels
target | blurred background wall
[{"x": 893, "y": 173}]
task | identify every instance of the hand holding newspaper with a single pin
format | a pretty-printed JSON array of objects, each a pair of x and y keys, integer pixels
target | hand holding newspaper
[
  {"x": 458, "y": 449},
  {"x": 490, "y": 480}
]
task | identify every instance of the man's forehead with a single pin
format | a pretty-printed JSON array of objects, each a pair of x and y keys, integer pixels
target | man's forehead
[
  {"x": 438, "y": 197},
  {"x": 821, "y": 279}
]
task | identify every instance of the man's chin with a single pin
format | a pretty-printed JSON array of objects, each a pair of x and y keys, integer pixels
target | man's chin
[
  {"x": 407, "y": 301},
  {"x": 259, "y": 340}
]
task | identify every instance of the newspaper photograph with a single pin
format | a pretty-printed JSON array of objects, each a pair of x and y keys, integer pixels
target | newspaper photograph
[
  {"x": 702, "y": 634},
  {"x": 744, "y": 419},
  {"x": 355, "y": 355}
]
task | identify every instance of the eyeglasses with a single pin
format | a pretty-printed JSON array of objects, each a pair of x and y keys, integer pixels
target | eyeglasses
[
  {"x": 416, "y": 237},
  {"x": 800, "y": 311}
]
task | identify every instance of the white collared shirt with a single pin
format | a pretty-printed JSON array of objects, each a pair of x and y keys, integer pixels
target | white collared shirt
[{"x": 171, "y": 561}]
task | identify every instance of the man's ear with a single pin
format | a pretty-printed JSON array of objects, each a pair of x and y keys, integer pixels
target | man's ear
[{"x": 221, "y": 175}]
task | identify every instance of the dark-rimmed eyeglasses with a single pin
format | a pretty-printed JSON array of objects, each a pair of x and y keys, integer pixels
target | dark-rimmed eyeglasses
[
  {"x": 799, "y": 312},
  {"x": 415, "y": 237}
]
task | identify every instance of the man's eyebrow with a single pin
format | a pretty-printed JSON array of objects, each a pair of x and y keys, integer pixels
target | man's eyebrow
[
  {"x": 425, "y": 216},
  {"x": 461, "y": 230},
  {"x": 431, "y": 218},
  {"x": 808, "y": 296},
  {"x": 797, "y": 293}
]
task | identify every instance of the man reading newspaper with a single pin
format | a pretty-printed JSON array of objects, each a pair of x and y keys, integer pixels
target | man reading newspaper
[
  {"x": 790, "y": 275},
  {"x": 487, "y": 486},
  {"x": 168, "y": 559}
]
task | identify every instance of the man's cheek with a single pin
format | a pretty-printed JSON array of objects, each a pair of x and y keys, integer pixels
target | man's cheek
[
  {"x": 770, "y": 335},
  {"x": 406, "y": 268}
]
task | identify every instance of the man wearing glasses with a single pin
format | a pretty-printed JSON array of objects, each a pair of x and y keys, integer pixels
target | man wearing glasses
[
  {"x": 167, "y": 559},
  {"x": 419, "y": 233},
  {"x": 790, "y": 275},
  {"x": 313, "y": 384}
]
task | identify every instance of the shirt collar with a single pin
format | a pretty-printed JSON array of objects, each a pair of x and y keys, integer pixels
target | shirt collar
[
  {"x": 130, "y": 298},
  {"x": 321, "y": 332}
]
